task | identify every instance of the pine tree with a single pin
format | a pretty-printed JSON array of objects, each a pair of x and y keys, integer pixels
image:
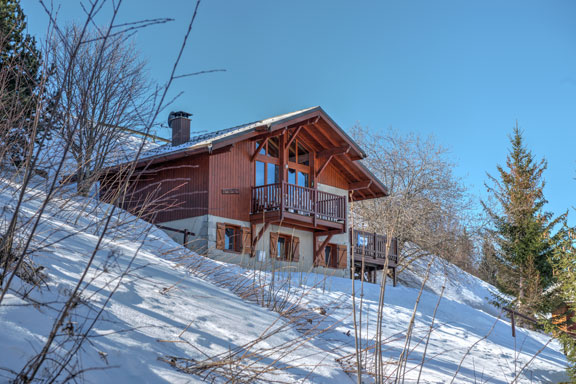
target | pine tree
[
  {"x": 563, "y": 295},
  {"x": 522, "y": 229},
  {"x": 19, "y": 79}
]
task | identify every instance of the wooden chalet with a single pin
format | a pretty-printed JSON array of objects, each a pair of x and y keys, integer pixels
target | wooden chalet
[{"x": 273, "y": 192}]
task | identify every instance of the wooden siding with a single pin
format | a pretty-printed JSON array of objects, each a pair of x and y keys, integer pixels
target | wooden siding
[
  {"x": 232, "y": 170},
  {"x": 333, "y": 177},
  {"x": 173, "y": 190}
]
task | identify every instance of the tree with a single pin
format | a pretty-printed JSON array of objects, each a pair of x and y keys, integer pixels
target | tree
[
  {"x": 562, "y": 323},
  {"x": 521, "y": 229},
  {"x": 19, "y": 83},
  {"x": 425, "y": 207},
  {"x": 487, "y": 269},
  {"x": 104, "y": 91},
  {"x": 427, "y": 204}
]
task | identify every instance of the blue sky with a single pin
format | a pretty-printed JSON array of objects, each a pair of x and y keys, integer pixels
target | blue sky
[{"x": 461, "y": 71}]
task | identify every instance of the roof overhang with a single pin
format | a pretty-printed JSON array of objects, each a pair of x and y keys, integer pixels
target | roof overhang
[{"x": 365, "y": 184}]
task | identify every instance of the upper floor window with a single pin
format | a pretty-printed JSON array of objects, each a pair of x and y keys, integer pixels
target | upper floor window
[
  {"x": 298, "y": 153},
  {"x": 267, "y": 173},
  {"x": 271, "y": 147}
]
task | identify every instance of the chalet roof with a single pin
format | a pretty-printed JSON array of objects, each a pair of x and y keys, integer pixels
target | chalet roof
[
  {"x": 209, "y": 138},
  {"x": 213, "y": 141}
]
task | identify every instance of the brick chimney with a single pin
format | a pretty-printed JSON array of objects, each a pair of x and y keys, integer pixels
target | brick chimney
[{"x": 180, "y": 124}]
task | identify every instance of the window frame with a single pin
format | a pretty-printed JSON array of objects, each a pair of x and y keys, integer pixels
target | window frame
[
  {"x": 333, "y": 256},
  {"x": 237, "y": 238},
  {"x": 291, "y": 247}
]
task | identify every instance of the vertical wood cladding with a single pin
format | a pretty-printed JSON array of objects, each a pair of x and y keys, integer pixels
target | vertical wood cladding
[
  {"x": 169, "y": 191},
  {"x": 332, "y": 177},
  {"x": 219, "y": 184},
  {"x": 232, "y": 170}
]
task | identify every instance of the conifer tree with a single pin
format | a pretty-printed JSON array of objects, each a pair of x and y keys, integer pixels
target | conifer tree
[
  {"x": 522, "y": 229},
  {"x": 19, "y": 79},
  {"x": 563, "y": 297}
]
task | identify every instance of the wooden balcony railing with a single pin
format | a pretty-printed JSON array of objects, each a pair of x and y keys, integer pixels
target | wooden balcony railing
[
  {"x": 373, "y": 246},
  {"x": 301, "y": 200}
]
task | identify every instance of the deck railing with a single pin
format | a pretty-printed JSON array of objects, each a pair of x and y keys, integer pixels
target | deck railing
[
  {"x": 373, "y": 245},
  {"x": 300, "y": 200}
]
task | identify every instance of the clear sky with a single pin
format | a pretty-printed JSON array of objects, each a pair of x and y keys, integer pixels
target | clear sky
[{"x": 462, "y": 71}]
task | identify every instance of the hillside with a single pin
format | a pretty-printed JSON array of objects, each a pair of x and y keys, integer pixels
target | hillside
[{"x": 172, "y": 308}]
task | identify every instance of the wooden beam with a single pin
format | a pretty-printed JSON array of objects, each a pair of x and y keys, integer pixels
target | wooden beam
[
  {"x": 329, "y": 232},
  {"x": 362, "y": 195},
  {"x": 321, "y": 139},
  {"x": 294, "y": 135},
  {"x": 360, "y": 185},
  {"x": 256, "y": 239},
  {"x": 323, "y": 245},
  {"x": 258, "y": 149},
  {"x": 323, "y": 167},
  {"x": 324, "y": 130},
  {"x": 224, "y": 149},
  {"x": 261, "y": 128},
  {"x": 334, "y": 151}
]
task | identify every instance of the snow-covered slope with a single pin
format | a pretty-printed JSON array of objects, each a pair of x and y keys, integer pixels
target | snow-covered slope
[
  {"x": 158, "y": 310},
  {"x": 172, "y": 303}
]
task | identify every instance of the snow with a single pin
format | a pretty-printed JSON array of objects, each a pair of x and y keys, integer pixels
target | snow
[{"x": 172, "y": 302}]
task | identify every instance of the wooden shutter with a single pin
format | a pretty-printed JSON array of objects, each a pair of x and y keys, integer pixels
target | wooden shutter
[
  {"x": 295, "y": 249},
  {"x": 220, "y": 235},
  {"x": 342, "y": 252},
  {"x": 246, "y": 240},
  {"x": 273, "y": 245}
]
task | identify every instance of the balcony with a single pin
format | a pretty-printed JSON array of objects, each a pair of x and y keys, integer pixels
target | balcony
[
  {"x": 372, "y": 248},
  {"x": 298, "y": 205}
]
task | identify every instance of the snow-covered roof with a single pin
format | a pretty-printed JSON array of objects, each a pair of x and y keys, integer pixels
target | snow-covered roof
[{"x": 206, "y": 139}]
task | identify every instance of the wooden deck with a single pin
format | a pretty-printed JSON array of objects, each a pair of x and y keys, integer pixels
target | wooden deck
[
  {"x": 297, "y": 205},
  {"x": 369, "y": 251}
]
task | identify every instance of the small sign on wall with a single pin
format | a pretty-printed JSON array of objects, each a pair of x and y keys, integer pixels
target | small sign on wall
[{"x": 230, "y": 191}]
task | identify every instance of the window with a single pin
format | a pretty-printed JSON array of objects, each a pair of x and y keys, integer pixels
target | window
[
  {"x": 267, "y": 170},
  {"x": 362, "y": 240},
  {"x": 267, "y": 167},
  {"x": 330, "y": 256},
  {"x": 299, "y": 178},
  {"x": 284, "y": 247},
  {"x": 303, "y": 179},
  {"x": 267, "y": 173},
  {"x": 298, "y": 153},
  {"x": 291, "y": 176},
  {"x": 299, "y": 164},
  {"x": 271, "y": 147},
  {"x": 260, "y": 173},
  {"x": 231, "y": 235},
  {"x": 283, "y": 243},
  {"x": 303, "y": 155},
  {"x": 233, "y": 238}
]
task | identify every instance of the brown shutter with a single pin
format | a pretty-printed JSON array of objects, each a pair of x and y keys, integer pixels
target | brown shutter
[
  {"x": 220, "y": 235},
  {"x": 295, "y": 249},
  {"x": 246, "y": 240},
  {"x": 342, "y": 256},
  {"x": 273, "y": 245}
]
